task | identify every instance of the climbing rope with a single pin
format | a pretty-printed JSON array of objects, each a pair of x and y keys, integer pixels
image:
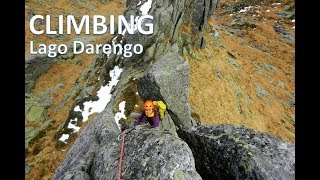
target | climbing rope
[
  {"x": 122, "y": 148},
  {"x": 121, "y": 155}
]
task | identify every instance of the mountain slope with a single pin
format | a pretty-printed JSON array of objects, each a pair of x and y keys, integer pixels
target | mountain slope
[{"x": 239, "y": 61}]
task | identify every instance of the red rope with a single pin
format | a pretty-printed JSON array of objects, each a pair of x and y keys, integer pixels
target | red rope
[{"x": 121, "y": 155}]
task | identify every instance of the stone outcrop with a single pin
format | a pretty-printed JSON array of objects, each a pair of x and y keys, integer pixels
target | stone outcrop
[
  {"x": 229, "y": 152},
  {"x": 168, "y": 16},
  {"x": 149, "y": 154},
  {"x": 34, "y": 67},
  {"x": 168, "y": 80},
  {"x": 193, "y": 152}
]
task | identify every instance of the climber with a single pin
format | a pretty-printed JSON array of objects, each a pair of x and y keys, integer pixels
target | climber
[{"x": 151, "y": 112}]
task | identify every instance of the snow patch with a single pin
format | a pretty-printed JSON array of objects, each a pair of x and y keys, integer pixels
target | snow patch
[
  {"x": 64, "y": 137},
  {"x": 293, "y": 20},
  {"x": 120, "y": 114},
  {"x": 245, "y": 9},
  {"x": 104, "y": 94},
  {"x": 144, "y": 11},
  {"x": 72, "y": 126},
  {"x": 146, "y": 7},
  {"x": 77, "y": 108},
  {"x": 267, "y": 10},
  {"x": 90, "y": 107},
  {"x": 275, "y": 4}
]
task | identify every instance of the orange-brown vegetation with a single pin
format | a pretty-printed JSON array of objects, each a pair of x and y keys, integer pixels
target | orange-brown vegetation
[
  {"x": 44, "y": 155},
  {"x": 227, "y": 99}
]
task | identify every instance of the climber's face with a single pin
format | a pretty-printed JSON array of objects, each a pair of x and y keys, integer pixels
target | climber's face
[{"x": 148, "y": 108}]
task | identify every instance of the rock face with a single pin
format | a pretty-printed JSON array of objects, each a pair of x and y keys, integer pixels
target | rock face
[
  {"x": 193, "y": 152},
  {"x": 148, "y": 154},
  {"x": 101, "y": 132},
  {"x": 201, "y": 13},
  {"x": 167, "y": 123},
  {"x": 228, "y": 152},
  {"x": 156, "y": 154},
  {"x": 34, "y": 67},
  {"x": 168, "y": 80},
  {"x": 168, "y": 16}
]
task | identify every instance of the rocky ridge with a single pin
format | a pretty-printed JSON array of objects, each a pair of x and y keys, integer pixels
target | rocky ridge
[
  {"x": 152, "y": 153},
  {"x": 172, "y": 151}
]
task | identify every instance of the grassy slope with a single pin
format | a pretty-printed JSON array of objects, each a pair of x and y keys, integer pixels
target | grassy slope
[
  {"x": 44, "y": 155},
  {"x": 227, "y": 99}
]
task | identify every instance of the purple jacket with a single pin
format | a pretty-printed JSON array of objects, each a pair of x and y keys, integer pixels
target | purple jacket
[{"x": 153, "y": 121}]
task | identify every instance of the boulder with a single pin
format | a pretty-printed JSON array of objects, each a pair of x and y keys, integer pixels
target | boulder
[
  {"x": 168, "y": 80},
  {"x": 149, "y": 153},
  {"x": 102, "y": 131},
  {"x": 229, "y": 152},
  {"x": 167, "y": 123}
]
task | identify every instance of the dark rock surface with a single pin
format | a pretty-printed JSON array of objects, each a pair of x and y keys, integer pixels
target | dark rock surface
[{"x": 229, "y": 152}]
